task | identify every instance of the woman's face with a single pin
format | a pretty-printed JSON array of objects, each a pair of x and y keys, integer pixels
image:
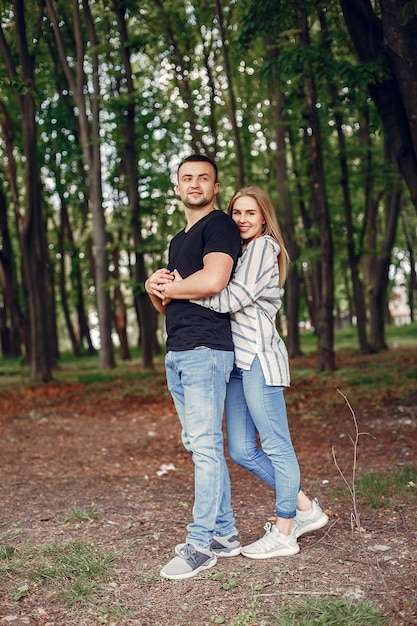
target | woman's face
[{"x": 248, "y": 217}]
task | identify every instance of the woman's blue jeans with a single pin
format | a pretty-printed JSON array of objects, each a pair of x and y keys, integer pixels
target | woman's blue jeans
[
  {"x": 197, "y": 382},
  {"x": 253, "y": 407}
]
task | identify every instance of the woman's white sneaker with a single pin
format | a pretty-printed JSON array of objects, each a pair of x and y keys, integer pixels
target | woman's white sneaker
[
  {"x": 273, "y": 543},
  {"x": 311, "y": 520}
]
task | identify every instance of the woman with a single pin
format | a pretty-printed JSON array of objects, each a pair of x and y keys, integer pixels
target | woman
[{"x": 255, "y": 394}]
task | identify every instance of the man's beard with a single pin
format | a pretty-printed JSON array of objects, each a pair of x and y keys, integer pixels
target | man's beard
[{"x": 196, "y": 202}]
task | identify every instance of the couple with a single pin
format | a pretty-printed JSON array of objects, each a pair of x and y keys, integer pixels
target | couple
[{"x": 223, "y": 349}]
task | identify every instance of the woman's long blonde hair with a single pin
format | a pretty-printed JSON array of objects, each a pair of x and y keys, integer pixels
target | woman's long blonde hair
[{"x": 271, "y": 224}]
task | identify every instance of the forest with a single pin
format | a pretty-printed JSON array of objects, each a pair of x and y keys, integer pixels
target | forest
[{"x": 99, "y": 101}]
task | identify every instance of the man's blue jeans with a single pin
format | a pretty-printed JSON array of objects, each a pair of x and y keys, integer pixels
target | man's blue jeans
[
  {"x": 252, "y": 406},
  {"x": 197, "y": 382}
]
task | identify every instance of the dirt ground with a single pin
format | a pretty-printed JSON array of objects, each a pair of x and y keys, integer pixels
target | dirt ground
[{"x": 66, "y": 447}]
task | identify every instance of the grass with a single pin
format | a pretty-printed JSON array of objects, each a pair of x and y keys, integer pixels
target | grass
[
  {"x": 85, "y": 369},
  {"x": 80, "y": 515},
  {"x": 358, "y": 374},
  {"x": 310, "y": 611},
  {"x": 328, "y": 611},
  {"x": 379, "y": 490},
  {"x": 72, "y": 571},
  {"x": 347, "y": 338}
]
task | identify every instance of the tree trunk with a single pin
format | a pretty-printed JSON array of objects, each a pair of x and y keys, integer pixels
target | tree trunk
[
  {"x": 89, "y": 136},
  {"x": 240, "y": 181},
  {"x": 12, "y": 316},
  {"x": 92, "y": 151},
  {"x": 353, "y": 255},
  {"x": 35, "y": 258},
  {"x": 292, "y": 291},
  {"x": 395, "y": 96},
  {"x": 306, "y": 279},
  {"x": 19, "y": 319},
  {"x": 323, "y": 270},
  {"x": 378, "y": 297},
  {"x": 142, "y": 303},
  {"x": 33, "y": 236},
  {"x": 292, "y": 308},
  {"x": 412, "y": 287},
  {"x": 197, "y": 137},
  {"x": 76, "y": 348}
]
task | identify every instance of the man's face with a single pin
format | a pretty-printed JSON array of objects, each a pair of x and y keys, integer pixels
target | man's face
[{"x": 197, "y": 186}]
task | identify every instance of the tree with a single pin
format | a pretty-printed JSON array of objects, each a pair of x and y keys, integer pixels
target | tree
[
  {"x": 11, "y": 323},
  {"x": 272, "y": 90},
  {"x": 129, "y": 160},
  {"x": 88, "y": 105},
  {"x": 389, "y": 43},
  {"x": 240, "y": 178},
  {"x": 353, "y": 252},
  {"x": 35, "y": 262},
  {"x": 322, "y": 274}
]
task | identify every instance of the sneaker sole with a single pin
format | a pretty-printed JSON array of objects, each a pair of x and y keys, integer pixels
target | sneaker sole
[
  {"x": 196, "y": 571},
  {"x": 313, "y": 526},
  {"x": 270, "y": 555}
]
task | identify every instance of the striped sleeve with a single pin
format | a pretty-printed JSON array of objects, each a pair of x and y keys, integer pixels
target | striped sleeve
[{"x": 251, "y": 279}]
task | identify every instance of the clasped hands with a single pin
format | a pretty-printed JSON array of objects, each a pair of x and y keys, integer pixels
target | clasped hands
[{"x": 158, "y": 284}]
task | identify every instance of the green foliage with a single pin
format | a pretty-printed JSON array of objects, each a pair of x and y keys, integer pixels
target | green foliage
[
  {"x": 182, "y": 101},
  {"x": 407, "y": 12}
]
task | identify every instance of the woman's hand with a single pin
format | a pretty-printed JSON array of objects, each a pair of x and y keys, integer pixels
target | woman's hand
[{"x": 177, "y": 275}]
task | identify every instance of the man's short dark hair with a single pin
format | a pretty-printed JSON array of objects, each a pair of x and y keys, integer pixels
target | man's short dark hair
[{"x": 199, "y": 157}]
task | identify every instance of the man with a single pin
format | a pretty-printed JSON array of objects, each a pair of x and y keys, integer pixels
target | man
[{"x": 199, "y": 360}]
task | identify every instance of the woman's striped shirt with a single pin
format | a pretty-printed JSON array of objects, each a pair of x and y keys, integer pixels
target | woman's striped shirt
[{"x": 253, "y": 298}]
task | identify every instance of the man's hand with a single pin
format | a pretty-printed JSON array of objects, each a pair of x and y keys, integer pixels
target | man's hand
[
  {"x": 156, "y": 281},
  {"x": 154, "y": 286},
  {"x": 211, "y": 279},
  {"x": 175, "y": 276}
]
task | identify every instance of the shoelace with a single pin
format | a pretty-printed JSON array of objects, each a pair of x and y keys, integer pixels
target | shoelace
[
  {"x": 188, "y": 552},
  {"x": 267, "y": 540}
]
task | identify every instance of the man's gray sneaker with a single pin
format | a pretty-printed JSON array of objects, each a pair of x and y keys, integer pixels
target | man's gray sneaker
[
  {"x": 229, "y": 545},
  {"x": 188, "y": 562},
  {"x": 226, "y": 546},
  {"x": 313, "y": 521}
]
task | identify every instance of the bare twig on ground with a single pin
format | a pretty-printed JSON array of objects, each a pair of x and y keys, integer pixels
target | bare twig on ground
[{"x": 355, "y": 515}]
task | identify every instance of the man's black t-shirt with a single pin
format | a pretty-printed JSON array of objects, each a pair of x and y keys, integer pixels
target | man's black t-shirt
[{"x": 190, "y": 325}]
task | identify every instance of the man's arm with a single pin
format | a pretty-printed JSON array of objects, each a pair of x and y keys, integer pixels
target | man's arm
[{"x": 212, "y": 278}]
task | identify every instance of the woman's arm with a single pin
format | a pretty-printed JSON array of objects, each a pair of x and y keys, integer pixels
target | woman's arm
[{"x": 257, "y": 270}]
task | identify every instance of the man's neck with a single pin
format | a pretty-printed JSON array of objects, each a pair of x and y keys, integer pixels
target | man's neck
[{"x": 195, "y": 214}]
